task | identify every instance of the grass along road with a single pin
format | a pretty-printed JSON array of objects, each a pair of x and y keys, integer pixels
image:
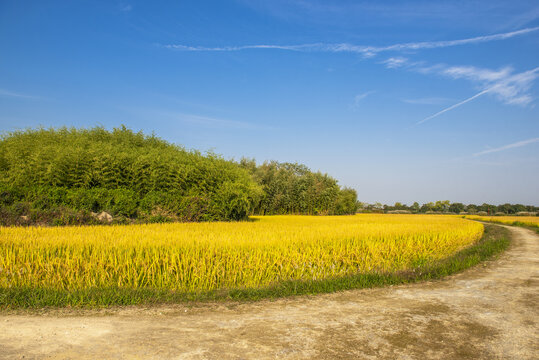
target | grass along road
[{"x": 486, "y": 312}]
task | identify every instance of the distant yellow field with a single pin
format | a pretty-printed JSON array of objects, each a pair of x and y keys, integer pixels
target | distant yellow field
[
  {"x": 208, "y": 256},
  {"x": 509, "y": 220}
]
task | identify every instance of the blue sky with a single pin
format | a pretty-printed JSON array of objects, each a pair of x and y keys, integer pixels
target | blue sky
[{"x": 401, "y": 100}]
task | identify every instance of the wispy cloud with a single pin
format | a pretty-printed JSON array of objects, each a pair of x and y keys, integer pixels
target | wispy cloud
[
  {"x": 476, "y": 74},
  {"x": 358, "y": 99},
  {"x": 504, "y": 84},
  {"x": 507, "y": 87},
  {"x": 453, "y": 107},
  {"x": 506, "y": 147},
  {"x": 513, "y": 89},
  {"x": 395, "y": 62},
  {"x": 7, "y": 93},
  {"x": 304, "y": 47},
  {"x": 449, "y": 43},
  {"x": 367, "y": 51},
  {"x": 126, "y": 7}
]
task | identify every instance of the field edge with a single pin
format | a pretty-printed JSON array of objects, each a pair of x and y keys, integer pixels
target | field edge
[
  {"x": 494, "y": 241},
  {"x": 513, "y": 223}
]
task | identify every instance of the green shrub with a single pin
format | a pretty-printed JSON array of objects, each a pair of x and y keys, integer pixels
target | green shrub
[
  {"x": 124, "y": 173},
  {"x": 59, "y": 173}
]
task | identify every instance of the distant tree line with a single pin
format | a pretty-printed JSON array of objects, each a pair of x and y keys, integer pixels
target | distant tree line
[
  {"x": 69, "y": 176},
  {"x": 446, "y": 206}
]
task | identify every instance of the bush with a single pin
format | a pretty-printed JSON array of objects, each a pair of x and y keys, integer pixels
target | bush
[
  {"x": 525, "y": 213},
  {"x": 60, "y": 173},
  {"x": 196, "y": 208},
  {"x": 232, "y": 201},
  {"x": 290, "y": 188},
  {"x": 399, "y": 212},
  {"x": 126, "y": 174},
  {"x": 159, "y": 219},
  {"x": 124, "y": 202}
]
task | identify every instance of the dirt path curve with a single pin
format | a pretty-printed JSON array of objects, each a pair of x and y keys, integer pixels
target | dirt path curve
[{"x": 488, "y": 312}]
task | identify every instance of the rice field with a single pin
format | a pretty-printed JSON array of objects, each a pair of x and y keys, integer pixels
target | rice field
[
  {"x": 196, "y": 257},
  {"x": 532, "y": 221}
]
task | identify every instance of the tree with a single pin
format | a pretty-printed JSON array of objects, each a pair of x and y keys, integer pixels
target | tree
[
  {"x": 505, "y": 208},
  {"x": 442, "y": 206},
  {"x": 489, "y": 209},
  {"x": 456, "y": 207},
  {"x": 399, "y": 206},
  {"x": 346, "y": 202},
  {"x": 377, "y": 206},
  {"x": 290, "y": 188},
  {"x": 427, "y": 207},
  {"x": 471, "y": 208}
]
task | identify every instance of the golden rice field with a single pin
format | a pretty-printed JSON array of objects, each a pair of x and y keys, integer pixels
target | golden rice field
[
  {"x": 508, "y": 220},
  {"x": 195, "y": 257}
]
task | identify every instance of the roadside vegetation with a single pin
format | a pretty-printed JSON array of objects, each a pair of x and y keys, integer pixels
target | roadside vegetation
[
  {"x": 71, "y": 176},
  {"x": 530, "y": 222},
  {"x": 271, "y": 256}
]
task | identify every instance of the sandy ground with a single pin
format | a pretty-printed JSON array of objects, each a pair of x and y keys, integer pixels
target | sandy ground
[{"x": 488, "y": 312}]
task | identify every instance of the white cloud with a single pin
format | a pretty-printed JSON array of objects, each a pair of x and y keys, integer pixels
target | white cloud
[
  {"x": 359, "y": 97},
  {"x": 507, "y": 87},
  {"x": 238, "y": 48},
  {"x": 476, "y": 74},
  {"x": 452, "y": 107},
  {"x": 448, "y": 43},
  {"x": 506, "y": 147},
  {"x": 395, "y": 62},
  {"x": 513, "y": 88},
  {"x": 367, "y": 51}
]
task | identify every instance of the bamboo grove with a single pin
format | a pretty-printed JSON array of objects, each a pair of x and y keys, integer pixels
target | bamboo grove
[{"x": 60, "y": 176}]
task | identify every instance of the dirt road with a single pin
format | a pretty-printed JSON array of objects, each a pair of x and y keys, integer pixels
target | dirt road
[{"x": 488, "y": 312}]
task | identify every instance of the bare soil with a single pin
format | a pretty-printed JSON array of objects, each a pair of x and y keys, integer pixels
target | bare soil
[{"x": 488, "y": 312}]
